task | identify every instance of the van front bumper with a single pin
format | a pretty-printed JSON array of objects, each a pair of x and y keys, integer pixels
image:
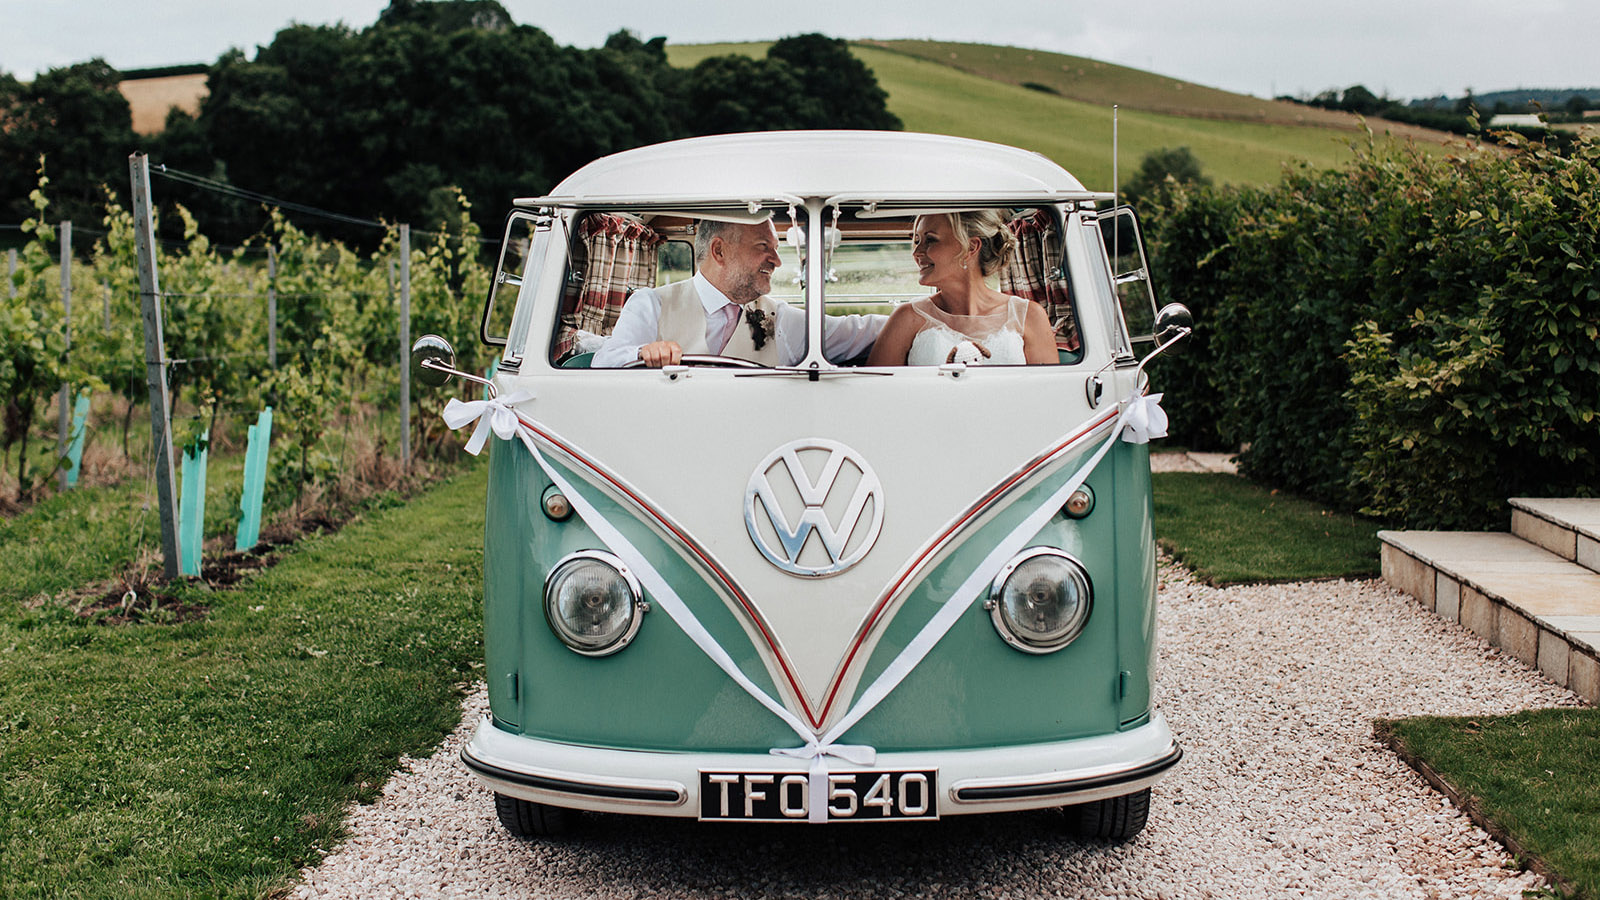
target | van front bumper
[{"x": 1001, "y": 779}]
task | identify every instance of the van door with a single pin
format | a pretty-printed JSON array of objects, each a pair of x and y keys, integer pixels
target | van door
[{"x": 1136, "y": 298}]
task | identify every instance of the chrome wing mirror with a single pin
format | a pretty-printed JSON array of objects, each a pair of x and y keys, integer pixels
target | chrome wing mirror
[
  {"x": 433, "y": 362},
  {"x": 1173, "y": 323}
]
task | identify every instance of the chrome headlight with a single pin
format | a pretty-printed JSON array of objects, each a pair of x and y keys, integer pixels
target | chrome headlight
[
  {"x": 593, "y": 603},
  {"x": 1040, "y": 601}
]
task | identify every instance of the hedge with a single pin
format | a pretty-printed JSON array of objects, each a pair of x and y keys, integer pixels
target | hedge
[{"x": 1415, "y": 337}]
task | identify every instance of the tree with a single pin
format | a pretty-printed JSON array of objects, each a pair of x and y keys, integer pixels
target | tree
[
  {"x": 1151, "y": 181},
  {"x": 809, "y": 81},
  {"x": 846, "y": 91},
  {"x": 376, "y": 121},
  {"x": 79, "y": 122},
  {"x": 730, "y": 94},
  {"x": 379, "y": 120},
  {"x": 1359, "y": 100},
  {"x": 446, "y": 16}
]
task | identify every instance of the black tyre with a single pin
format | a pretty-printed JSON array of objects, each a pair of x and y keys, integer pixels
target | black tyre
[
  {"x": 1115, "y": 818},
  {"x": 524, "y": 818}
]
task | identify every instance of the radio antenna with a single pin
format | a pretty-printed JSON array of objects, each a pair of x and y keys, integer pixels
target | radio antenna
[{"x": 1116, "y": 200}]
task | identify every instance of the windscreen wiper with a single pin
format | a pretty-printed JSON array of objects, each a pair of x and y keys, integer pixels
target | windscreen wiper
[{"x": 812, "y": 372}]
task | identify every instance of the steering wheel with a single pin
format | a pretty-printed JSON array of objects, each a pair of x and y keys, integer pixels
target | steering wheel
[{"x": 705, "y": 359}]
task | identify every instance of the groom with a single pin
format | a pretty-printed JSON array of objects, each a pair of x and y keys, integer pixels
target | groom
[{"x": 724, "y": 309}]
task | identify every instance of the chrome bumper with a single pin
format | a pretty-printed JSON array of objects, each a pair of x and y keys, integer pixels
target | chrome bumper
[{"x": 1029, "y": 776}]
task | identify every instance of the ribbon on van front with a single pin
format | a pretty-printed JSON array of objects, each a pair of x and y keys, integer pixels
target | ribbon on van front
[
  {"x": 493, "y": 415},
  {"x": 1145, "y": 419},
  {"x": 496, "y": 415},
  {"x": 1139, "y": 419}
]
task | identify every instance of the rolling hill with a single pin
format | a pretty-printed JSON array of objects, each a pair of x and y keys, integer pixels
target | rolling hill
[
  {"x": 1103, "y": 83},
  {"x": 1060, "y": 106}
]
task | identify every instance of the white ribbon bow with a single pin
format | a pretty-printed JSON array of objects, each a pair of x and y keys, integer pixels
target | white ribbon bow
[
  {"x": 1143, "y": 419},
  {"x": 494, "y": 414},
  {"x": 817, "y": 775}
]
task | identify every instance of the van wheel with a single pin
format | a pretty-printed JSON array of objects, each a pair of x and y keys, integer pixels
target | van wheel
[
  {"x": 524, "y": 818},
  {"x": 1115, "y": 818}
]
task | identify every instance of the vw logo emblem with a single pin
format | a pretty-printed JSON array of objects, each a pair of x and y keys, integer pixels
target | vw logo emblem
[{"x": 841, "y": 505}]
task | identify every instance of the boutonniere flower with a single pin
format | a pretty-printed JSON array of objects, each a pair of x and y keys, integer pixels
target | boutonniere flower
[{"x": 762, "y": 325}]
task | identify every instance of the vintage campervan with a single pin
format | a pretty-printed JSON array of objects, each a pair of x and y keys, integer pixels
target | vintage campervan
[{"x": 817, "y": 590}]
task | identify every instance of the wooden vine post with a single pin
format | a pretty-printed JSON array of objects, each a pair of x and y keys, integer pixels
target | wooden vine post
[{"x": 155, "y": 360}]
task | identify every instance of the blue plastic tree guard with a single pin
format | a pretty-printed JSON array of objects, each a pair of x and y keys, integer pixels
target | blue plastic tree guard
[
  {"x": 255, "y": 481},
  {"x": 80, "y": 416},
  {"x": 192, "y": 508}
]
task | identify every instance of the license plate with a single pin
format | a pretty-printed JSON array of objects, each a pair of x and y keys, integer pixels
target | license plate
[{"x": 785, "y": 797}]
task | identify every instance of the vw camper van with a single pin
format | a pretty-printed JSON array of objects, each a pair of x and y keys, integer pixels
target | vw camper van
[{"x": 817, "y": 591}]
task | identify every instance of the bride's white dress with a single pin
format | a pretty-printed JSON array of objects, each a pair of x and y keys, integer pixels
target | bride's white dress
[{"x": 999, "y": 333}]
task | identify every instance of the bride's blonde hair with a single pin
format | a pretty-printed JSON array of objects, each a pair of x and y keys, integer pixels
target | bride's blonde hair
[{"x": 989, "y": 226}]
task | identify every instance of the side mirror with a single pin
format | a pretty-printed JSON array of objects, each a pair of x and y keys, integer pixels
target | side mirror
[
  {"x": 433, "y": 360},
  {"x": 1172, "y": 322}
]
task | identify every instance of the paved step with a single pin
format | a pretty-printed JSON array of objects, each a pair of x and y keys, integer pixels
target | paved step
[
  {"x": 1569, "y": 528},
  {"x": 1535, "y": 604}
]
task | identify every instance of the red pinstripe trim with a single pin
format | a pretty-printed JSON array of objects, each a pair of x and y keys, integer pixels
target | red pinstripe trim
[
  {"x": 694, "y": 548},
  {"x": 943, "y": 539}
]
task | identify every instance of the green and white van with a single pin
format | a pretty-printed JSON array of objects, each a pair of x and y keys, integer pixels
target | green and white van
[{"x": 823, "y": 592}]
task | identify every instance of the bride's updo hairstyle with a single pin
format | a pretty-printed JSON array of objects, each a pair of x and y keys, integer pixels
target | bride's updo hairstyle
[{"x": 989, "y": 225}]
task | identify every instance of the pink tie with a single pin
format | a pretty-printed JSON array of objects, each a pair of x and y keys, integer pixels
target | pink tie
[{"x": 730, "y": 318}]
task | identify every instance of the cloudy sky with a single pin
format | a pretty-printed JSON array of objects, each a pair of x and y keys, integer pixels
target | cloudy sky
[{"x": 1402, "y": 48}]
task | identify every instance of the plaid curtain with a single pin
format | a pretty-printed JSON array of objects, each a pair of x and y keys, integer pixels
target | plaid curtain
[
  {"x": 618, "y": 257},
  {"x": 1037, "y": 273}
]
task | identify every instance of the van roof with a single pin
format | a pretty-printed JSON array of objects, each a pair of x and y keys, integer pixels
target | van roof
[{"x": 758, "y": 169}]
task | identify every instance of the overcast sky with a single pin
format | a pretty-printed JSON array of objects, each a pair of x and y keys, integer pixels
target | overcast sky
[{"x": 1402, "y": 48}]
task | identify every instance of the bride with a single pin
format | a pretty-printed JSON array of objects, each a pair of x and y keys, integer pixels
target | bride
[{"x": 964, "y": 320}]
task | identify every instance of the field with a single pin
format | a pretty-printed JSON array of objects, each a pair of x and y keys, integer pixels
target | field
[
  {"x": 1102, "y": 84},
  {"x": 1238, "y": 139},
  {"x": 150, "y": 98}
]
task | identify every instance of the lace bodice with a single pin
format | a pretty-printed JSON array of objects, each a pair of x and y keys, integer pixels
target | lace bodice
[{"x": 999, "y": 332}]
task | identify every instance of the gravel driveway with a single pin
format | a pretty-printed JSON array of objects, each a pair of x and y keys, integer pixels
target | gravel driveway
[{"x": 1283, "y": 792}]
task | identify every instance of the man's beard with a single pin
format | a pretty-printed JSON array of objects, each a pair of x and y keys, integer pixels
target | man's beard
[{"x": 751, "y": 286}]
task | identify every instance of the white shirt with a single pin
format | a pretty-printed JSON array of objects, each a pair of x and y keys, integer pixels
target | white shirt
[{"x": 844, "y": 337}]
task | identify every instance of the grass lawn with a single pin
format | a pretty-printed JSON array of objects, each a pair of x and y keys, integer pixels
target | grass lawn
[
  {"x": 1229, "y": 530},
  {"x": 215, "y": 757},
  {"x": 1534, "y": 775}
]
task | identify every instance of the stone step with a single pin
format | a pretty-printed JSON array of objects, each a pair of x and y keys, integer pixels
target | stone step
[
  {"x": 1530, "y": 602},
  {"x": 1569, "y": 528}
]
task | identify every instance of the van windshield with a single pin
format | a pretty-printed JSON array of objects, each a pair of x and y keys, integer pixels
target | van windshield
[{"x": 888, "y": 286}]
